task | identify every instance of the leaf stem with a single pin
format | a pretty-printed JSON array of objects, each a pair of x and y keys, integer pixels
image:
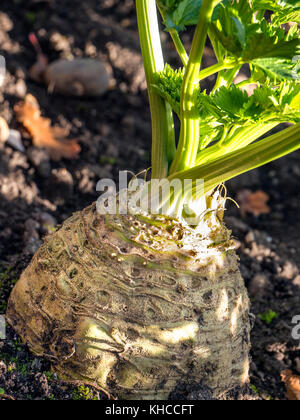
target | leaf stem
[
  {"x": 236, "y": 163},
  {"x": 176, "y": 39},
  {"x": 242, "y": 137},
  {"x": 209, "y": 71},
  {"x": 190, "y": 129},
  {"x": 226, "y": 78},
  {"x": 246, "y": 83},
  {"x": 162, "y": 117},
  {"x": 179, "y": 47}
]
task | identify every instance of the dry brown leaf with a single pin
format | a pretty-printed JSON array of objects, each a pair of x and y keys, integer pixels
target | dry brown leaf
[
  {"x": 43, "y": 134},
  {"x": 292, "y": 383},
  {"x": 254, "y": 203},
  {"x": 4, "y": 130}
]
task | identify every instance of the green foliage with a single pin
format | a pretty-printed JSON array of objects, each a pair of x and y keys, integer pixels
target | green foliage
[
  {"x": 49, "y": 376},
  {"x": 2, "y": 392},
  {"x": 168, "y": 84},
  {"x": 178, "y": 14},
  {"x": 84, "y": 393},
  {"x": 254, "y": 389},
  {"x": 290, "y": 15},
  {"x": 104, "y": 160},
  {"x": 268, "y": 317},
  {"x": 222, "y": 131},
  {"x": 256, "y": 41},
  {"x": 231, "y": 105},
  {"x": 284, "y": 10},
  {"x": 7, "y": 278},
  {"x": 274, "y": 5},
  {"x": 31, "y": 17}
]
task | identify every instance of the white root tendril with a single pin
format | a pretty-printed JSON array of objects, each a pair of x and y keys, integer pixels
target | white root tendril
[{"x": 185, "y": 202}]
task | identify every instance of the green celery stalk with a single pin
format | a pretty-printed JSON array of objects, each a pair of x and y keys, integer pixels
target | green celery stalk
[{"x": 163, "y": 138}]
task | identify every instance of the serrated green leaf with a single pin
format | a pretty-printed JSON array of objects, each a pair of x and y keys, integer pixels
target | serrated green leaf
[
  {"x": 261, "y": 43},
  {"x": 274, "y": 5},
  {"x": 178, "y": 14},
  {"x": 168, "y": 85},
  {"x": 278, "y": 68},
  {"x": 231, "y": 100},
  {"x": 231, "y": 107},
  {"x": 262, "y": 46},
  {"x": 291, "y": 15}
]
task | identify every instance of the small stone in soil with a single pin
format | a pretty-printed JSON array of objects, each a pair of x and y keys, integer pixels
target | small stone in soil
[
  {"x": 61, "y": 186},
  {"x": 40, "y": 159},
  {"x": 296, "y": 281},
  {"x": 79, "y": 77},
  {"x": 15, "y": 140},
  {"x": 259, "y": 286}
]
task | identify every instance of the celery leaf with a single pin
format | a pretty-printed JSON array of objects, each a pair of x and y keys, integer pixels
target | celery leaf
[
  {"x": 178, "y": 14},
  {"x": 261, "y": 43}
]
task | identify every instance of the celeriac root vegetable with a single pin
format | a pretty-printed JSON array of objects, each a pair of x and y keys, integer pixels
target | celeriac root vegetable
[
  {"x": 137, "y": 305},
  {"x": 142, "y": 304}
]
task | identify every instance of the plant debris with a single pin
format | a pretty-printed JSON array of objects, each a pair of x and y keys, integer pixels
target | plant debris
[
  {"x": 254, "y": 203},
  {"x": 292, "y": 383},
  {"x": 43, "y": 134},
  {"x": 36, "y": 72}
]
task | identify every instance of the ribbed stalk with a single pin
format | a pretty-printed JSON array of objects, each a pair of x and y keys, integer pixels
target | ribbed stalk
[
  {"x": 236, "y": 163},
  {"x": 190, "y": 129},
  {"x": 163, "y": 138}
]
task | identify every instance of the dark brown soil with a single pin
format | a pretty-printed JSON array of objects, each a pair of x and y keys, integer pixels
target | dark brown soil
[{"x": 115, "y": 134}]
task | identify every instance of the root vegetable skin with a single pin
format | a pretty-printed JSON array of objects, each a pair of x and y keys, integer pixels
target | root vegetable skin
[{"x": 136, "y": 306}]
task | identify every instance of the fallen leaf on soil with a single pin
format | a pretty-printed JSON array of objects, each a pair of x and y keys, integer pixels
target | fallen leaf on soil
[
  {"x": 43, "y": 134},
  {"x": 292, "y": 383},
  {"x": 4, "y": 130},
  {"x": 254, "y": 203}
]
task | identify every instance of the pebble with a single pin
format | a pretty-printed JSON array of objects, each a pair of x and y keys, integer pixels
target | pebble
[
  {"x": 61, "y": 186},
  {"x": 296, "y": 281},
  {"x": 279, "y": 357},
  {"x": 20, "y": 88},
  {"x": 79, "y": 77},
  {"x": 15, "y": 140},
  {"x": 40, "y": 159},
  {"x": 250, "y": 237},
  {"x": 31, "y": 236},
  {"x": 259, "y": 285},
  {"x": 290, "y": 270},
  {"x": 2, "y": 69},
  {"x": 46, "y": 221},
  {"x": 4, "y": 130}
]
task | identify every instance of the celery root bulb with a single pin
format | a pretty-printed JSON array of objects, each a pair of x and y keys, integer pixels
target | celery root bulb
[{"x": 136, "y": 305}]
